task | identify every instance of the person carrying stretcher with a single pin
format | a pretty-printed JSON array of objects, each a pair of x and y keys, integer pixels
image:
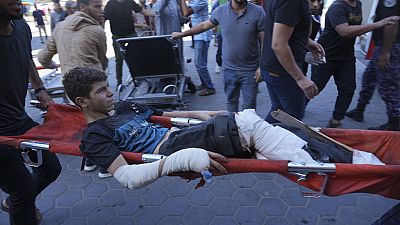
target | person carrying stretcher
[{"x": 126, "y": 127}]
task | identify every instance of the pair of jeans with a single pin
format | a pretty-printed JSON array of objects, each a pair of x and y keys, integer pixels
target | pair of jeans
[
  {"x": 119, "y": 59},
  {"x": 22, "y": 186},
  {"x": 285, "y": 94},
  {"x": 200, "y": 61},
  {"x": 218, "y": 134},
  {"x": 236, "y": 81},
  {"x": 344, "y": 74}
]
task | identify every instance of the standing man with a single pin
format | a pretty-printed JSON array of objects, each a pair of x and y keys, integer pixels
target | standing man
[
  {"x": 38, "y": 17},
  {"x": 342, "y": 26},
  {"x": 79, "y": 40},
  {"x": 17, "y": 68},
  {"x": 242, "y": 27},
  {"x": 57, "y": 15},
  {"x": 286, "y": 42},
  {"x": 383, "y": 70},
  {"x": 198, "y": 10},
  {"x": 119, "y": 12},
  {"x": 168, "y": 18}
]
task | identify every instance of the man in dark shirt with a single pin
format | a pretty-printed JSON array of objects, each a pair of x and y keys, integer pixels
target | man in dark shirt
[
  {"x": 383, "y": 69},
  {"x": 119, "y": 12},
  {"x": 17, "y": 68},
  {"x": 285, "y": 44},
  {"x": 38, "y": 16},
  {"x": 342, "y": 26}
]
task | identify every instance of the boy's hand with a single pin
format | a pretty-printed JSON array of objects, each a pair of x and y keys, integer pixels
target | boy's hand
[{"x": 215, "y": 166}]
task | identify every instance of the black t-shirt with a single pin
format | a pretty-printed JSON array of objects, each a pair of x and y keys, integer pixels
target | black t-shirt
[
  {"x": 338, "y": 48},
  {"x": 38, "y": 14},
  {"x": 294, "y": 13},
  {"x": 120, "y": 16},
  {"x": 98, "y": 138},
  {"x": 15, "y": 55},
  {"x": 385, "y": 9}
]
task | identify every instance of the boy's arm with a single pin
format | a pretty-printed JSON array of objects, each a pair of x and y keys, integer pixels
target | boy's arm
[
  {"x": 190, "y": 159},
  {"x": 201, "y": 115}
]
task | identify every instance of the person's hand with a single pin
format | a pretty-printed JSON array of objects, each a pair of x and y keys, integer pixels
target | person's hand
[
  {"x": 316, "y": 49},
  {"x": 176, "y": 35},
  {"x": 384, "y": 60},
  {"x": 53, "y": 65},
  {"x": 309, "y": 88},
  {"x": 388, "y": 21},
  {"x": 310, "y": 59},
  {"x": 44, "y": 99},
  {"x": 258, "y": 76},
  {"x": 215, "y": 163}
]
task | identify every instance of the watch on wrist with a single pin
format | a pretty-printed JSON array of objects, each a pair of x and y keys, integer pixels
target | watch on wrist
[{"x": 37, "y": 90}]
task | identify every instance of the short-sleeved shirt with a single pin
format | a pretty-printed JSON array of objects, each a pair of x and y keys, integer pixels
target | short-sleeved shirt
[
  {"x": 127, "y": 130},
  {"x": 15, "y": 56},
  {"x": 38, "y": 15},
  {"x": 200, "y": 14},
  {"x": 240, "y": 52},
  {"x": 293, "y": 13},
  {"x": 338, "y": 48},
  {"x": 120, "y": 16},
  {"x": 385, "y": 9}
]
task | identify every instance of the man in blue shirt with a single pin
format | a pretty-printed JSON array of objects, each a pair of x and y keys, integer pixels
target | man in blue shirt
[
  {"x": 198, "y": 10},
  {"x": 242, "y": 29}
]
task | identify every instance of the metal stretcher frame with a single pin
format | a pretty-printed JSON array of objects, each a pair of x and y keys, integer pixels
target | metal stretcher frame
[
  {"x": 328, "y": 179},
  {"x": 157, "y": 70}
]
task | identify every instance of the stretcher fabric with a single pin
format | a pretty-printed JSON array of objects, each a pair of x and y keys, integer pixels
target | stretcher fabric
[{"x": 64, "y": 124}]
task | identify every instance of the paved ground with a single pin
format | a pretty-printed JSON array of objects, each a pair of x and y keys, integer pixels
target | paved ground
[{"x": 80, "y": 198}]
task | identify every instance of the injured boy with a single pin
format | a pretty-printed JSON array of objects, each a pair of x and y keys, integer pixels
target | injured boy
[{"x": 126, "y": 127}]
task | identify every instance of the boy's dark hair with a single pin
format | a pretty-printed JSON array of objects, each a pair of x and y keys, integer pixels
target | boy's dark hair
[{"x": 78, "y": 82}]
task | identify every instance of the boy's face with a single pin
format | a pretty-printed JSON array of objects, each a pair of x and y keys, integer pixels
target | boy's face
[{"x": 101, "y": 98}]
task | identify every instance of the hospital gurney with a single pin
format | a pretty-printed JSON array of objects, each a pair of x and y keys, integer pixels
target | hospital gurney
[
  {"x": 322, "y": 178},
  {"x": 157, "y": 71}
]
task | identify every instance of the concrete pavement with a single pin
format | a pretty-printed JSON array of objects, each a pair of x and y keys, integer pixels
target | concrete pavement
[{"x": 81, "y": 198}]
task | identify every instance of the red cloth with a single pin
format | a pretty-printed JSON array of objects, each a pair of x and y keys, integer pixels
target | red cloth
[{"x": 64, "y": 125}]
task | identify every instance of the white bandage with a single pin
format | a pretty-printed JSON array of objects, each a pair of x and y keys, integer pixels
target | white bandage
[
  {"x": 271, "y": 142},
  {"x": 189, "y": 159}
]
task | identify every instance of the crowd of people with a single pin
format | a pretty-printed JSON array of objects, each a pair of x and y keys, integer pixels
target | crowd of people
[{"x": 258, "y": 42}]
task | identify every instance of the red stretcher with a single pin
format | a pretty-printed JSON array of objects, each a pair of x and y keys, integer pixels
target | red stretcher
[{"x": 63, "y": 125}]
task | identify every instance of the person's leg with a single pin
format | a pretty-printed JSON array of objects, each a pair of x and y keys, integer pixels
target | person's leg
[
  {"x": 16, "y": 181},
  {"x": 45, "y": 32},
  {"x": 47, "y": 172},
  {"x": 249, "y": 87},
  {"x": 118, "y": 60},
  {"x": 40, "y": 33},
  {"x": 232, "y": 90},
  {"x": 345, "y": 80},
  {"x": 389, "y": 89},
  {"x": 368, "y": 85},
  {"x": 286, "y": 95},
  {"x": 321, "y": 74},
  {"x": 201, "y": 54}
]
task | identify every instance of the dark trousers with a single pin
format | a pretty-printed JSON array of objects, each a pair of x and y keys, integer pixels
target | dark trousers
[
  {"x": 218, "y": 55},
  {"x": 20, "y": 184},
  {"x": 344, "y": 74},
  {"x": 368, "y": 84},
  {"x": 119, "y": 58}
]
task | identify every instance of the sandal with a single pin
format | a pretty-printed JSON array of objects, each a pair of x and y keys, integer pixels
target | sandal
[{"x": 207, "y": 91}]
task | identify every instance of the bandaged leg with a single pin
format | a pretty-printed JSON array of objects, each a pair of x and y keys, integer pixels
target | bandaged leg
[
  {"x": 189, "y": 159},
  {"x": 271, "y": 142}
]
